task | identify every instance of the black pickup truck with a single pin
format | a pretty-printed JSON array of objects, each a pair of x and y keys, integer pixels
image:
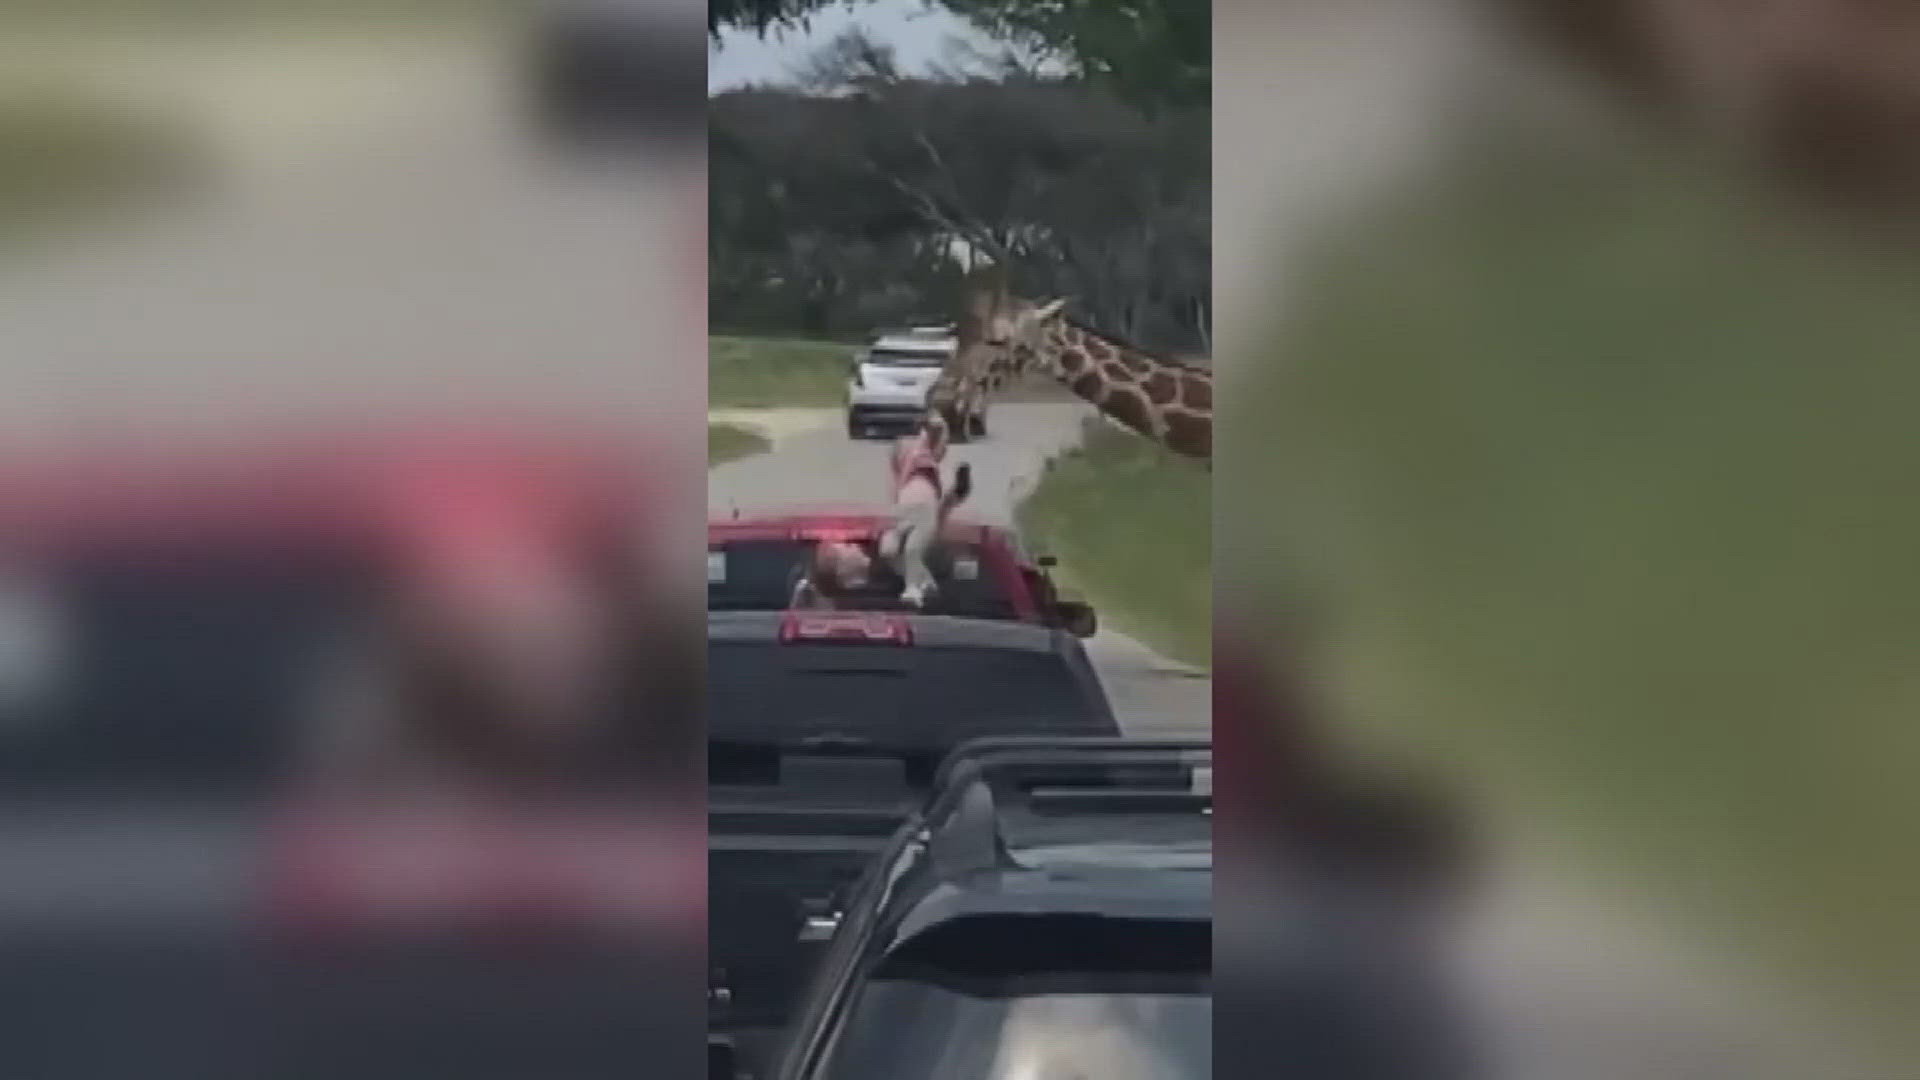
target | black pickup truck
[
  {"x": 824, "y": 734},
  {"x": 1049, "y": 912}
]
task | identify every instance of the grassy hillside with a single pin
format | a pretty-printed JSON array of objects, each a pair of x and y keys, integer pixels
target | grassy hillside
[
  {"x": 747, "y": 372},
  {"x": 62, "y": 153},
  {"x": 1607, "y": 469},
  {"x": 1132, "y": 525},
  {"x": 730, "y": 442}
]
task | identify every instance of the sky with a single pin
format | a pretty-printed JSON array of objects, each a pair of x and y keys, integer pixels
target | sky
[{"x": 918, "y": 32}]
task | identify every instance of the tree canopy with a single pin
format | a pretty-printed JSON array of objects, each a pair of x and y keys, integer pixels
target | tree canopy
[
  {"x": 758, "y": 16},
  {"x": 835, "y": 211},
  {"x": 1153, "y": 53}
]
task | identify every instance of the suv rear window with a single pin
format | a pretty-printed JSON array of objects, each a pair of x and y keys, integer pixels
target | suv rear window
[
  {"x": 926, "y": 358},
  {"x": 992, "y": 997},
  {"x": 760, "y": 575}
]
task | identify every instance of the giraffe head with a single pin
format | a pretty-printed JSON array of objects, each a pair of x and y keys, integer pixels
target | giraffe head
[
  {"x": 1016, "y": 323},
  {"x": 1013, "y": 331},
  {"x": 1162, "y": 399}
]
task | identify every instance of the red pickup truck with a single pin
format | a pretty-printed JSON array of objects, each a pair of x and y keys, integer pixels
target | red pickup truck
[
  {"x": 240, "y": 731},
  {"x": 984, "y": 571}
]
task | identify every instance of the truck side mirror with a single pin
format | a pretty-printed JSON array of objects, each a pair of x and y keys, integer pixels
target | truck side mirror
[{"x": 1078, "y": 618}]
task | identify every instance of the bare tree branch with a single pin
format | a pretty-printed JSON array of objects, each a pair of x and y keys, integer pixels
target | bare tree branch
[{"x": 929, "y": 207}]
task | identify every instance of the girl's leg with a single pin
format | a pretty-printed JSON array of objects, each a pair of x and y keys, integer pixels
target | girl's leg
[{"x": 922, "y": 527}]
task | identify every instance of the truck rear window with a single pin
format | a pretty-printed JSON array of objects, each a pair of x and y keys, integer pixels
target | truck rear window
[{"x": 760, "y": 575}]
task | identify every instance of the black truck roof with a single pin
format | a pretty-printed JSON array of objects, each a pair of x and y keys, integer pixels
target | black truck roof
[
  {"x": 1035, "y": 856},
  {"x": 1037, "y": 826}
]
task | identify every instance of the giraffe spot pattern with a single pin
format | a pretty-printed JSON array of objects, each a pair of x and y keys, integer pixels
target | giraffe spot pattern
[
  {"x": 1098, "y": 349},
  {"x": 1197, "y": 392},
  {"x": 1161, "y": 388},
  {"x": 1073, "y": 361},
  {"x": 1115, "y": 373},
  {"x": 1130, "y": 407},
  {"x": 1189, "y": 434},
  {"x": 1136, "y": 363},
  {"x": 1088, "y": 385}
]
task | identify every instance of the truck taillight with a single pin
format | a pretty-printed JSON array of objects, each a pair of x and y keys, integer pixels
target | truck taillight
[
  {"x": 839, "y": 536},
  {"x": 846, "y": 626}
]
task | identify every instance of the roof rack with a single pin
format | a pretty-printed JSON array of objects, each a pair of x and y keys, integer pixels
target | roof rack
[
  {"x": 1038, "y": 756},
  {"x": 1083, "y": 774}
]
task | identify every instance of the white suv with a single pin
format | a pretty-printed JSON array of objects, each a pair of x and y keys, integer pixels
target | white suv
[{"x": 891, "y": 377}]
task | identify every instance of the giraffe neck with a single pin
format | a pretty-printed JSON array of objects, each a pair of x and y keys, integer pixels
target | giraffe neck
[
  {"x": 1170, "y": 403},
  {"x": 961, "y": 383}
]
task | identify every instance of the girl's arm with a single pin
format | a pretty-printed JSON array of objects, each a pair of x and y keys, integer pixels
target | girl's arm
[{"x": 962, "y": 487}]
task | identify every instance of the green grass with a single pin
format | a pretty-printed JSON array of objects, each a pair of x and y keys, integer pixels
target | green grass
[
  {"x": 1607, "y": 469},
  {"x": 730, "y": 442},
  {"x": 64, "y": 154},
  {"x": 748, "y": 373},
  {"x": 1132, "y": 526}
]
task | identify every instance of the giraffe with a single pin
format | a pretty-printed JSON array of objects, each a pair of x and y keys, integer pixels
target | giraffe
[{"x": 1164, "y": 400}]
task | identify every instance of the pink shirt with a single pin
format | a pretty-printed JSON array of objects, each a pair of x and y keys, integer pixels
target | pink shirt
[{"x": 914, "y": 459}]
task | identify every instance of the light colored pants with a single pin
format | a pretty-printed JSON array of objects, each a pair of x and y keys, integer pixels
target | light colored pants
[{"x": 915, "y": 526}]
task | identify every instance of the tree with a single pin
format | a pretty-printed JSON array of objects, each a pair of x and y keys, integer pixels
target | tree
[
  {"x": 758, "y": 16},
  {"x": 843, "y": 203},
  {"x": 803, "y": 234},
  {"x": 1156, "y": 54},
  {"x": 1084, "y": 194}
]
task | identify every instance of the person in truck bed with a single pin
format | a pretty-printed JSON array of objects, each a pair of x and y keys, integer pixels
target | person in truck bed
[{"x": 832, "y": 577}]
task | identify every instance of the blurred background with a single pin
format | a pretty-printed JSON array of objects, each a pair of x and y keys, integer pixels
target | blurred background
[
  {"x": 1571, "y": 346},
  {"x": 348, "y": 351},
  {"x": 349, "y": 401}
]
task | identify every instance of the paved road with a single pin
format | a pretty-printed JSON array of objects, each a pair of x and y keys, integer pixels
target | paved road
[{"x": 810, "y": 468}]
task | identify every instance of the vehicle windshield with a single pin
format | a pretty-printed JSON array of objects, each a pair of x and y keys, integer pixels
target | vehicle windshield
[
  {"x": 913, "y": 358},
  {"x": 760, "y": 575},
  {"x": 995, "y": 1006}
]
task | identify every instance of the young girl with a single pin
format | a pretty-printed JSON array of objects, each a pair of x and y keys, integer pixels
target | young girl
[{"x": 921, "y": 505}]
